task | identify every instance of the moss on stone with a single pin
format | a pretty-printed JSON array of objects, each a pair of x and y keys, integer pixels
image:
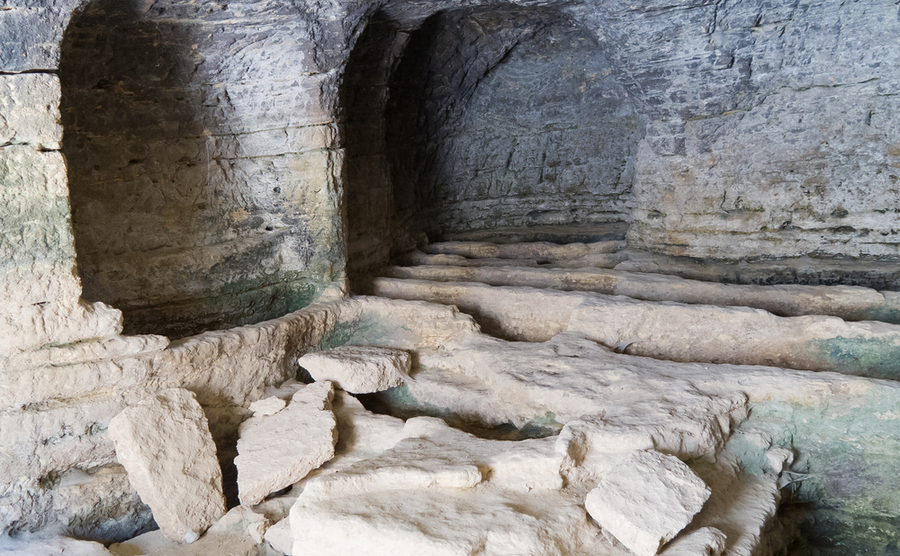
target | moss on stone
[{"x": 872, "y": 358}]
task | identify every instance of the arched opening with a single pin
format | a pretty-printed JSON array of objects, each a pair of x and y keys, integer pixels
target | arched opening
[
  {"x": 189, "y": 200},
  {"x": 482, "y": 119}
]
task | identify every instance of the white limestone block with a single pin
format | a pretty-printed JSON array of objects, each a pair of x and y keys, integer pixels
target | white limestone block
[
  {"x": 49, "y": 545},
  {"x": 267, "y": 406},
  {"x": 218, "y": 544},
  {"x": 359, "y": 369},
  {"x": 147, "y": 543},
  {"x": 278, "y": 450},
  {"x": 165, "y": 445},
  {"x": 280, "y": 538},
  {"x": 705, "y": 541},
  {"x": 243, "y": 522},
  {"x": 441, "y": 491},
  {"x": 646, "y": 500}
]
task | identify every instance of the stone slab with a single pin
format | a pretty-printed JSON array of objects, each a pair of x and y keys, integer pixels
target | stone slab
[
  {"x": 359, "y": 369},
  {"x": 278, "y": 450},
  {"x": 646, "y": 500},
  {"x": 165, "y": 445}
]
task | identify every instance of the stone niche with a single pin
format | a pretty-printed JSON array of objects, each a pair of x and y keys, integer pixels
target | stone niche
[
  {"x": 733, "y": 132},
  {"x": 477, "y": 118},
  {"x": 191, "y": 140}
]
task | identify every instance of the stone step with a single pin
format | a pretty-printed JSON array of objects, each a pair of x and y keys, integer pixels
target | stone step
[
  {"x": 564, "y": 233},
  {"x": 595, "y": 260},
  {"x": 847, "y": 302},
  {"x": 667, "y": 330},
  {"x": 541, "y": 251}
]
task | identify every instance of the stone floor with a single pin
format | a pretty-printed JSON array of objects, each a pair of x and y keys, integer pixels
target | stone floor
[{"x": 538, "y": 372}]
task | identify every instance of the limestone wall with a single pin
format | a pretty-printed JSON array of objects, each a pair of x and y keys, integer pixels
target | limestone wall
[
  {"x": 765, "y": 130},
  {"x": 772, "y": 125},
  {"x": 204, "y": 178}
]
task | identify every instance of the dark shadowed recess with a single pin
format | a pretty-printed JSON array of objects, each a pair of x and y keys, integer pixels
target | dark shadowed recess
[
  {"x": 482, "y": 118},
  {"x": 170, "y": 226}
]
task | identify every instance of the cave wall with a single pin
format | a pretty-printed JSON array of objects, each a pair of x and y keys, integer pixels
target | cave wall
[
  {"x": 508, "y": 116},
  {"x": 763, "y": 129},
  {"x": 773, "y": 125}
]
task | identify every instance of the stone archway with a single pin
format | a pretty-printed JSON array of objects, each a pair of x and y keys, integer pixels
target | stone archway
[{"x": 479, "y": 118}]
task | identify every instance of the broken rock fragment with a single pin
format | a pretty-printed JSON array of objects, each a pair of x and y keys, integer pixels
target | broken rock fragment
[
  {"x": 165, "y": 445},
  {"x": 278, "y": 450},
  {"x": 359, "y": 369},
  {"x": 646, "y": 500}
]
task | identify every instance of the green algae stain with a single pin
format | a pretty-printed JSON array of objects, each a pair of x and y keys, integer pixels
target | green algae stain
[
  {"x": 871, "y": 358},
  {"x": 845, "y": 484},
  {"x": 884, "y": 314}
]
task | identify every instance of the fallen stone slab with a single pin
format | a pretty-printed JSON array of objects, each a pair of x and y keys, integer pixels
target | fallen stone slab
[
  {"x": 608, "y": 401},
  {"x": 165, "y": 446},
  {"x": 646, "y": 500},
  {"x": 359, "y": 369},
  {"x": 280, "y": 538},
  {"x": 278, "y": 450},
  {"x": 243, "y": 522},
  {"x": 147, "y": 543}
]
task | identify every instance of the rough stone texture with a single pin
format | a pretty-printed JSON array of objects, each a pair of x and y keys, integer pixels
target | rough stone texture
[
  {"x": 669, "y": 330},
  {"x": 164, "y": 444},
  {"x": 441, "y": 491},
  {"x": 30, "y": 107},
  {"x": 280, "y": 538},
  {"x": 523, "y": 124},
  {"x": 148, "y": 543},
  {"x": 32, "y": 32},
  {"x": 51, "y": 546},
  {"x": 222, "y": 543},
  {"x": 243, "y": 522},
  {"x": 278, "y": 450},
  {"x": 763, "y": 129},
  {"x": 706, "y": 541},
  {"x": 646, "y": 500},
  {"x": 221, "y": 179},
  {"x": 359, "y": 369},
  {"x": 847, "y": 302},
  {"x": 267, "y": 406}
]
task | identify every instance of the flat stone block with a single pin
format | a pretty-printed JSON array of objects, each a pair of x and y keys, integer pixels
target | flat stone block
[
  {"x": 278, "y": 450},
  {"x": 165, "y": 445},
  {"x": 646, "y": 500},
  {"x": 359, "y": 369}
]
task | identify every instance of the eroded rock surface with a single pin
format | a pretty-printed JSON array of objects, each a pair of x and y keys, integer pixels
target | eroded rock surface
[
  {"x": 165, "y": 445},
  {"x": 442, "y": 491}
]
